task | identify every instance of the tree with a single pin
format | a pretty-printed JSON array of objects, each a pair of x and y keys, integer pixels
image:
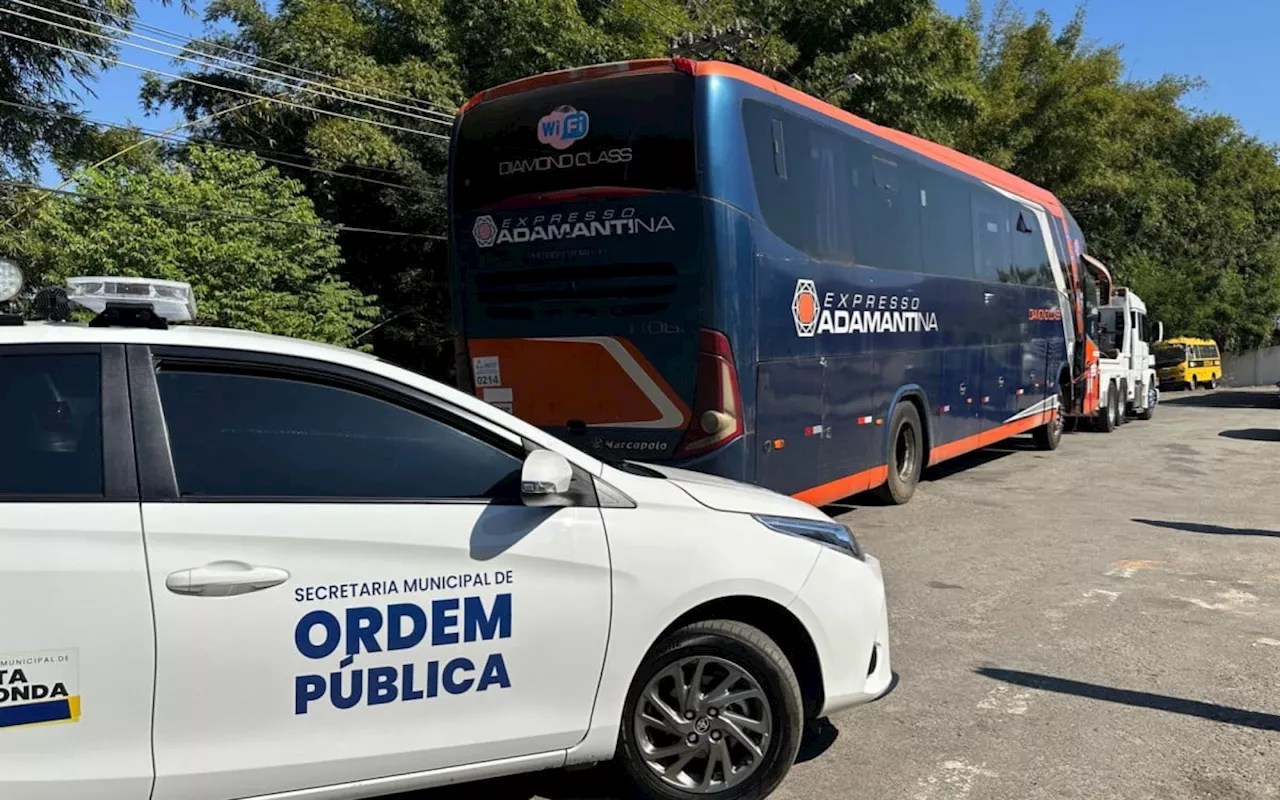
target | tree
[
  {"x": 257, "y": 255},
  {"x": 36, "y": 79},
  {"x": 1163, "y": 193}
]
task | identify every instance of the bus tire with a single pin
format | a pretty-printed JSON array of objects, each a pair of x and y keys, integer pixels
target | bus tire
[
  {"x": 1106, "y": 421},
  {"x": 1193, "y": 384},
  {"x": 1213, "y": 382},
  {"x": 906, "y": 455},
  {"x": 1048, "y": 435}
]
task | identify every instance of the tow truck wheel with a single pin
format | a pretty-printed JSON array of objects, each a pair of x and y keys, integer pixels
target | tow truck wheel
[
  {"x": 714, "y": 711},
  {"x": 1048, "y": 435},
  {"x": 1107, "y": 415},
  {"x": 1122, "y": 407},
  {"x": 1153, "y": 398}
]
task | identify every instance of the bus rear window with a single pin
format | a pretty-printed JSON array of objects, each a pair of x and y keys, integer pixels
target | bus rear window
[{"x": 632, "y": 131}]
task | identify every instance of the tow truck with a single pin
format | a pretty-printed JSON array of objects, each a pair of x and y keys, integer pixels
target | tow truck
[{"x": 1127, "y": 381}]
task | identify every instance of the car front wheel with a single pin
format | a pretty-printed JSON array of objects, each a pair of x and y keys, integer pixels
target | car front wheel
[{"x": 715, "y": 710}]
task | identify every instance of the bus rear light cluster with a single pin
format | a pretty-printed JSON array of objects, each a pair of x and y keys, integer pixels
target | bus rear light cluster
[{"x": 717, "y": 407}]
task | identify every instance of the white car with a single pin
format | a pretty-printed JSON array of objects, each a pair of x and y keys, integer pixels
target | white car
[{"x": 244, "y": 566}]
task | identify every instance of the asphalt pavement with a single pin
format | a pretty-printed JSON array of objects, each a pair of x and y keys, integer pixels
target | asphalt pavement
[{"x": 1102, "y": 621}]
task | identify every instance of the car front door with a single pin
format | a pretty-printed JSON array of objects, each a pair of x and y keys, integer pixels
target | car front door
[
  {"x": 345, "y": 583},
  {"x": 77, "y": 650}
]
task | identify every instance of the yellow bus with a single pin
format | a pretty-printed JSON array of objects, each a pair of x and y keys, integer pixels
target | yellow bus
[{"x": 1188, "y": 363}]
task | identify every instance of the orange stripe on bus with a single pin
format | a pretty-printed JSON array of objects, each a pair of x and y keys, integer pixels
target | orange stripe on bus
[
  {"x": 844, "y": 487},
  {"x": 635, "y": 67},
  {"x": 979, "y": 440},
  {"x": 859, "y": 482}
]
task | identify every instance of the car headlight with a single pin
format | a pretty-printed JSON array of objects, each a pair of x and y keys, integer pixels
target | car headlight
[{"x": 830, "y": 533}]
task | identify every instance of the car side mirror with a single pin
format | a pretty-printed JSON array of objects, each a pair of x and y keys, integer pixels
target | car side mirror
[{"x": 545, "y": 479}]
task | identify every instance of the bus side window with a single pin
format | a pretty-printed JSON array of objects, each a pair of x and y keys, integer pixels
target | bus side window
[
  {"x": 946, "y": 232},
  {"x": 1030, "y": 258},
  {"x": 991, "y": 252},
  {"x": 886, "y": 209},
  {"x": 802, "y": 179}
]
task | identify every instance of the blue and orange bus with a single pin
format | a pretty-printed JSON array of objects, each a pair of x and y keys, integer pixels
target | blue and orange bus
[{"x": 689, "y": 264}]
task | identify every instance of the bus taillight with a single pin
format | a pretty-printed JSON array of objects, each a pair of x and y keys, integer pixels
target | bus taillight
[{"x": 717, "y": 407}]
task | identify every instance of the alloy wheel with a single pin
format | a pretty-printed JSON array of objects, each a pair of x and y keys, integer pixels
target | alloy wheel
[{"x": 703, "y": 724}]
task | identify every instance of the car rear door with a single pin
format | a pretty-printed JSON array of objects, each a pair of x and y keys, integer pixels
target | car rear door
[
  {"x": 344, "y": 589},
  {"x": 77, "y": 650}
]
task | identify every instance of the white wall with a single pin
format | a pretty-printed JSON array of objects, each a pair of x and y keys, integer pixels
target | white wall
[{"x": 1254, "y": 368}]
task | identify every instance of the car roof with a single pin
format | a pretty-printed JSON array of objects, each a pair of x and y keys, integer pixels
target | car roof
[
  {"x": 185, "y": 335},
  {"x": 182, "y": 335}
]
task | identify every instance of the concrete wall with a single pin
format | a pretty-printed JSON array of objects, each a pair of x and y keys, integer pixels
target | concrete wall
[{"x": 1255, "y": 368}]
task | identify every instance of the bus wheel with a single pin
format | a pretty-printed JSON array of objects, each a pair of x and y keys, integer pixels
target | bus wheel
[
  {"x": 1193, "y": 384},
  {"x": 1106, "y": 421},
  {"x": 906, "y": 454},
  {"x": 1048, "y": 436},
  {"x": 1213, "y": 382}
]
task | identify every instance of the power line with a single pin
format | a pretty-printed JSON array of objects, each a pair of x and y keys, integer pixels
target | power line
[
  {"x": 189, "y": 140},
  {"x": 200, "y": 212},
  {"x": 323, "y": 76},
  {"x": 412, "y": 111},
  {"x": 215, "y": 87},
  {"x": 202, "y": 63}
]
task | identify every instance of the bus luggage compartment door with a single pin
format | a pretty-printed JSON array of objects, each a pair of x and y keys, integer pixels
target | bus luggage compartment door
[{"x": 789, "y": 417}]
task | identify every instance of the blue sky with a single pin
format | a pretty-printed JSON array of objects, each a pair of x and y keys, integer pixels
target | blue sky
[{"x": 1229, "y": 43}]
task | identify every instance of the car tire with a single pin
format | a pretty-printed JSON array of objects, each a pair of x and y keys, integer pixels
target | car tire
[
  {"x": 1106, "y": 420},
  {"x": 1049, "y": 435},
  {"x": 906, "y": 455},
  {"x": 655, "y": 739}
]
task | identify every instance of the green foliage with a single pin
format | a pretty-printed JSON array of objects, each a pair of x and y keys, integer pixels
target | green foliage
[
  {"x": 205, "y": 217},
  {"x": 1182, "y": 205},
  {"x": 34, "y": 76}
]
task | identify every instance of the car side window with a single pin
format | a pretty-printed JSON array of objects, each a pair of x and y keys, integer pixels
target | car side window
[
  {"x": 52, "y": 408},
  {"x": 256, "y": 435}
]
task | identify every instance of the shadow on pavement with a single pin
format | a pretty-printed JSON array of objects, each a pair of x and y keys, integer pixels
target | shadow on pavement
[
  {"x": 1225, "y": 398},
  {"x": 1254, "y": 434},
  {"x": 1200, "y": 527},
  {"x": 595, "y": 783},
  {"x": 977, "y": 458},
  {"x": 1128, "y": 697}
]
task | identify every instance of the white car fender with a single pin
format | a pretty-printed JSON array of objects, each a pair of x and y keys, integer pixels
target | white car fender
[{"x": 698, "y": 563}]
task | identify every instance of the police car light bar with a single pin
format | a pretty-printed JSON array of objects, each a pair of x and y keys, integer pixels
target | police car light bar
[{"x": 171, "y": 300}]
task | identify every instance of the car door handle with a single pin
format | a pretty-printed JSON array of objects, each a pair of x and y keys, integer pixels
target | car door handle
[{"x": 224, "y": 579}]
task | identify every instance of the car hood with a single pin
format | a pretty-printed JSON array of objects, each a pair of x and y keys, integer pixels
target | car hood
[{"x": 724, "y": 494}]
